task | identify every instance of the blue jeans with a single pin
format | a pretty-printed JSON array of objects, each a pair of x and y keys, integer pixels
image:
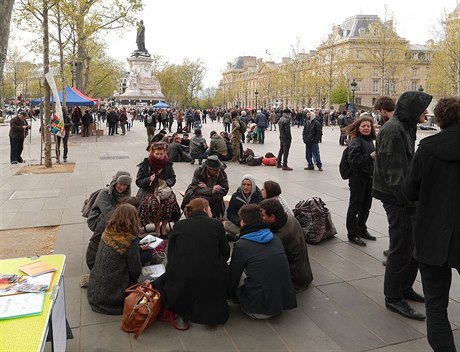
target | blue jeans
[
  {"x": 261, "y": 133},
  {"x": 312, "y": 150}
]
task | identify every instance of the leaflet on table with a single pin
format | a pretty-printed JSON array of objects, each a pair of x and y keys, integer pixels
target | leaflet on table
[
  {"x": 21, "y": 305},
  {"x": 153, "y": 271},
  {"x": 29, "y": 284}
]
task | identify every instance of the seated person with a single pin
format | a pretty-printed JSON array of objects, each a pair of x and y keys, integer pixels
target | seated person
[
  {"x": 178, "y": 152},
  {"x": 157, "y": 138},
  {"x": 185, "y": 141},
  {"x": 272, "y": 189},
  {"x": 153, "y": 172},
  {"x": 259, "y": 269},
  {"x": 194, "y": 286},
  {"x": 247, "y": 193},
  {"x": 117, "y": 264},
  {"x": 217, "y": 146},
  {"x": 229, "y": 145},
  {"x": 198, "y": 147},
  {"x": 288, "y": 230},
  {"x": 210, "y": 182},
  {"x": 106, "y": 200}
]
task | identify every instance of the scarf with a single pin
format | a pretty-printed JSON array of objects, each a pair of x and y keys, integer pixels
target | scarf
[
  {"x": 120, "y": 242},
  {"x": 279, "y": 223},
  {"x": 157, "y": 164}
]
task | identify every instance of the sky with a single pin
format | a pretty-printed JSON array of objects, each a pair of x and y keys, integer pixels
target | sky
[{"x": 217, "y": 32}]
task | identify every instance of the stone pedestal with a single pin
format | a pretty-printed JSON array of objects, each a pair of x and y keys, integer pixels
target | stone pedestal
[{"x": 142, "y": 85}]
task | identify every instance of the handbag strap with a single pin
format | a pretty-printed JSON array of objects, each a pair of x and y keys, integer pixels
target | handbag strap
[{"x": 146, "y": 321}]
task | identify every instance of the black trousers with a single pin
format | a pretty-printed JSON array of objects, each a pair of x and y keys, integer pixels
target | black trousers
[
  {"x": 401, "y": 268},
  {"x": 359, "y": 205},
  {"x": 283, "y": 152},
  {"x": 64, "y": 142},
  {"x": 16, "y": 147},
  {"x": 112, "y": 128},
  {"x": 436, "y": 282}
]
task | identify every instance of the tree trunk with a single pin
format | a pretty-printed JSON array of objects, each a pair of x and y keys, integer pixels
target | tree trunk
[
  {"x": 46, "y": 68},
  {"x": 6, "y": 9}
]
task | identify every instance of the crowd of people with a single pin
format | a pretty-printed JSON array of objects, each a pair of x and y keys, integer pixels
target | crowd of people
[{"x": 269, "y": 262}]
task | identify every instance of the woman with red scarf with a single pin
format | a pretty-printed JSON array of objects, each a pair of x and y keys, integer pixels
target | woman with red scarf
[{"x": 152, "y": 209}]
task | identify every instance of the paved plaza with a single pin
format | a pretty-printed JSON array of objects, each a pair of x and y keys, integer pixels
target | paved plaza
[{"x": 342, "y": 310}]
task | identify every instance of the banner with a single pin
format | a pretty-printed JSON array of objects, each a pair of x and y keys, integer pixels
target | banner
[{"x": 57, "y": 120}]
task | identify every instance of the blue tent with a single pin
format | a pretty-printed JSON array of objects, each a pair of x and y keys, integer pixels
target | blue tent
[
  {"x": 71, "y": 97},
  {"x": 161, "y": 105}
]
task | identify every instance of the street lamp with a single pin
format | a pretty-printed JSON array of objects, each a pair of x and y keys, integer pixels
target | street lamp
[
  {"x": 256, "y": 93},
  {"x": 420, "y": 89},
  {"x": 323, "y": 99},
  {"x": 353, "y": 86}
]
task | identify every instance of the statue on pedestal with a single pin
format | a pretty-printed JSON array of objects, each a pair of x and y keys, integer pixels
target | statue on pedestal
[{"x": 140, "y": 41}]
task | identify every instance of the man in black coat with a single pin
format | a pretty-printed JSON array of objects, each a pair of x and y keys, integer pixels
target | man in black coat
[
  {"x": 312, "y": 133},
  {"x": 433, "y": 180},
  {"x": 284, "y": 124},
  {"x": 288, "y": 230},
  {"x": 395, "y": 146}
]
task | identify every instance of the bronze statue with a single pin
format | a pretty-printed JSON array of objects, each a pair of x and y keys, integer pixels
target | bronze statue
[{"x": 140, "y": 39}]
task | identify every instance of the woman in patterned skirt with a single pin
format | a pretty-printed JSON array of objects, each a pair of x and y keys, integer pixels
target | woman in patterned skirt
[{"x": 153, "y": 172}]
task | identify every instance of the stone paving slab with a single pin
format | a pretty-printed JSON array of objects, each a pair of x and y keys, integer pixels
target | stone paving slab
[{"x": 343, "y": 310}]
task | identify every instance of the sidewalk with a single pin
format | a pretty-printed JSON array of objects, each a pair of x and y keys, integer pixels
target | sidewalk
[{"x": 343, "y": 309}]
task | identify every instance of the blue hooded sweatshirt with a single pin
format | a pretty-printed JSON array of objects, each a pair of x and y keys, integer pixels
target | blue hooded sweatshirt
[{"x": 259, "y": 236}]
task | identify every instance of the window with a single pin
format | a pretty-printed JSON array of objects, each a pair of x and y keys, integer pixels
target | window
[
  {"x": 414, "y": 73},
  {"x": 414, "y": 85},
  {"x": 358, "y": 53},
  {"x": 376, "y": 72},
  {"x": 358, "y": 100},
  {"x": 375, "y": 86}
]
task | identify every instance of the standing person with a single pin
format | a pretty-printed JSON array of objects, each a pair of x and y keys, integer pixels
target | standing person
[
  {"x": 312, "y": 133},
  {"x": 76, "y": 120},
  {"x": 385, "y": 106},
  {"x": 244, "y": 121},
  {"x": 361, "y": 155},
  {"x": 123, "y": 121},
  {"x": 288, "y": 230},
  {"x": 272, "y": 119},
  {"x": 179, "y": 120},
  {"x": 226, "y": 120},
  {"x": 433, "y": 181},
  {"x": 86, "y": 122},
  {"x": 19, "y": 129},
  {"x": 112, "y": 119},
  {"x": 284, "y": 124},
  {"x": 150, "y": 123},
  {"x": 118, "y": 263},
  {"x": 65, "y": 139},
  {"x": 235, "y": 136},
  {"x": 153, "y": 171},
  {"x": 194, "y": 286},
  {"x": 262, "y": 124},
  {"x": 259, "y": 269},
  {"x": 395, "y": 146}
]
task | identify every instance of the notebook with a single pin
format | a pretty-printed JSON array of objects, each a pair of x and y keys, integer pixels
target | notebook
[
  {"x": 21, "y": 305},
  {"x": 37, "y": 268}
]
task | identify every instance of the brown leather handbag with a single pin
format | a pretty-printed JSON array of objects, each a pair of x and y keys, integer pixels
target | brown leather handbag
[{"x": 142, "y": 307}]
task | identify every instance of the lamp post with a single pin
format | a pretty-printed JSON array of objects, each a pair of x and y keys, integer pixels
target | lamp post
[
  {"x": 353, "y": 86},
  {"x": 256, "y": 93},
  {"x": 420, "y": 89}
]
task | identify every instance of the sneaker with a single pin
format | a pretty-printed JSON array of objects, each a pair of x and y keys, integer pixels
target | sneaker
[
  {"x": 320, "y": 168},
  {"x": 309, "y": 168},
  {"x": 287, "y": 168}
]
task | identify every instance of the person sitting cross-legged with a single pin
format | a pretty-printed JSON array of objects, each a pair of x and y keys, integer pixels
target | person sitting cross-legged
[
  {"x": 247, "y": 193},
  {"x": 288, "y": 230},
  {"x": 259, "y": 269}
]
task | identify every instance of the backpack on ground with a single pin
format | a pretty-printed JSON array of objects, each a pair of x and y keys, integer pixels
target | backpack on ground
[
  {"x": 248, "y": 152},
  {"x": 344, "y": 166},
  {"x": 243, "y": 126},
  {"x": 315, "y": 220},
  {"x": 269, "y": 159},
  {"x": 88, "y": 203},
  {"x": 254, "y": 160}
]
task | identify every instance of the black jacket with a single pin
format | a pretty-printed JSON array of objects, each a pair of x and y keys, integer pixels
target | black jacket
[
  {"x": 284, "y": 125},
  {"x": 237, "y": 201},
  {"x": 395, "y": 146},
  {"x": 195, "y": 283},
  {"x": 143, "y": 177},
  {"x": 312, "y": 131},
  {"x": 359, "y": 150},
  {"x": 433, "y": 180}
]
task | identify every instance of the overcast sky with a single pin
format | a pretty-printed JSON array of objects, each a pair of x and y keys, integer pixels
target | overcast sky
[{"x": 217, "y": 32}]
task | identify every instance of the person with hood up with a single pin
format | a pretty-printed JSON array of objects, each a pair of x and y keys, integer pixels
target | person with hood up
[
  {"x": 259, "y": 270},
  {"x": 433, "y": 181},
  {"x": 395, "y": 147},
  {"x": 247, "y": 193},
  {"x": 312, "y": 133}
]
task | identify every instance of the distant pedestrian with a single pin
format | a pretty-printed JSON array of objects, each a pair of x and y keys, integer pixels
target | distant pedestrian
[
  {"x": 312, "y": 133},
  {"x": 262, "y": 124},
  {"x": 284, "y": 125},
  {"x": 19, "y": 129}
]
